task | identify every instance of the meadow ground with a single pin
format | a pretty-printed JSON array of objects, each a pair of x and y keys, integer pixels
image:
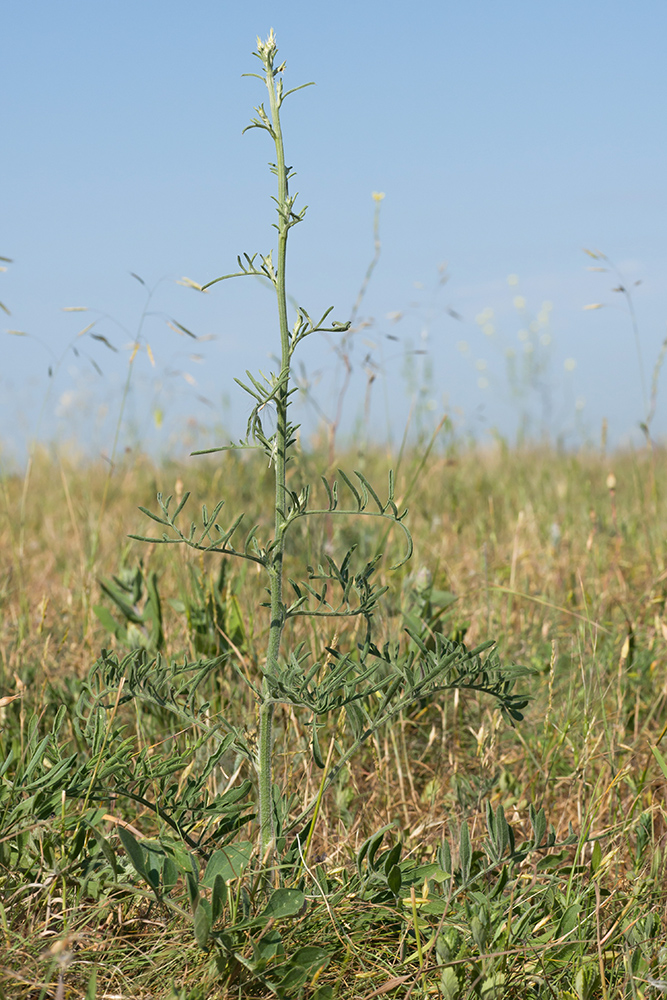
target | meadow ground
[{"x": 559, "y": 557}]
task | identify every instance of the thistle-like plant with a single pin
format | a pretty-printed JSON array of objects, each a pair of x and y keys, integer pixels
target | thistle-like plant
[{"x": 371, "y": 686}]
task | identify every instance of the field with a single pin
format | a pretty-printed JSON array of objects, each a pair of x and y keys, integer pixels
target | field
[
  {"x": 112, "y": 806},
  {"x": 290, "y": 723}
]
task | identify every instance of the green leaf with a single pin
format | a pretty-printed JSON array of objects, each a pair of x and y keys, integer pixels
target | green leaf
[
  {"x": 449, "y": 984},
  {"x": 596, "y": 857},
  {"x": 91, "y": 989},
  {"x": 479, "y": 931},
  {"x": 303, "y": 965},
  {"x": 365, "y": 847},
  {"x": 193, "y": 890},
  {"x": 153, "y": 517},
  {"x": 367, "y": 486},
  {"x": 393, "y": 857},
  {"x": 661, "y": 760},
  {"x": 442, "y": 598},
  {"x": 552, "y": 861},
  {"x": 374, "y": 847},
  {"x": 218, "y": 897},
  {"x": 229, "y": 862},
  {"x": 77, "y": 844},
  {"x": 465, "y": 853},
  {"x": 134, "y": 851},
  {"x": 352, "y": 489},
  {"x": 311, "y": 958},
  {"x": 445, "y": 857},
  {"x": 538, "y": 821},
  {"x": 202, "y": 926},
  {"x": 395, "y": 879},
  {"x": 586, "y": 982},
  {"x": 169, "y": 874},
  {"x": 153, "y": 863},
  {"x": 8, "y": 761},
  {"x": 107, "y": 851},
  {"x": 568, "y": 921},
  {"x": 493, "y": 986},
  {"x": 283, "y": 903},
  {"x": 268, "y": 947},
  {"x": 123, "y": 606}
]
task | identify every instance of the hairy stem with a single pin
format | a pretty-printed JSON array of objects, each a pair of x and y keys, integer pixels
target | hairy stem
[{"x": 277, "y": 624}]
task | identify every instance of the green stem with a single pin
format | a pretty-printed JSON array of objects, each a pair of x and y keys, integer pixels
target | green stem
[{"x": 277, "y": 624}]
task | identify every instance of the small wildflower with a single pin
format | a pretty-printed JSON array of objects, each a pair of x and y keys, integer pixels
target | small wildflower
[{"x": 269, "y": 46}]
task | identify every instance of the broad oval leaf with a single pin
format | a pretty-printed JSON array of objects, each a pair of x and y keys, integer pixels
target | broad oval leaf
[
  {"x": 230, "y": 862},
  {"x": 283, "y": 903}
]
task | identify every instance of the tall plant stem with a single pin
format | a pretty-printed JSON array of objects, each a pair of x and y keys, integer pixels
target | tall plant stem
[{"x": 282, "y": 443}]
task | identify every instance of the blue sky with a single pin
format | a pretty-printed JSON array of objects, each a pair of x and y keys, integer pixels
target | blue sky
[{"x": 505, "y": 137}]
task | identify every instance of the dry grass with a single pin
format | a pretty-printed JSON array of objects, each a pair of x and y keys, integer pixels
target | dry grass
[{"x": 548, "y": 553}]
